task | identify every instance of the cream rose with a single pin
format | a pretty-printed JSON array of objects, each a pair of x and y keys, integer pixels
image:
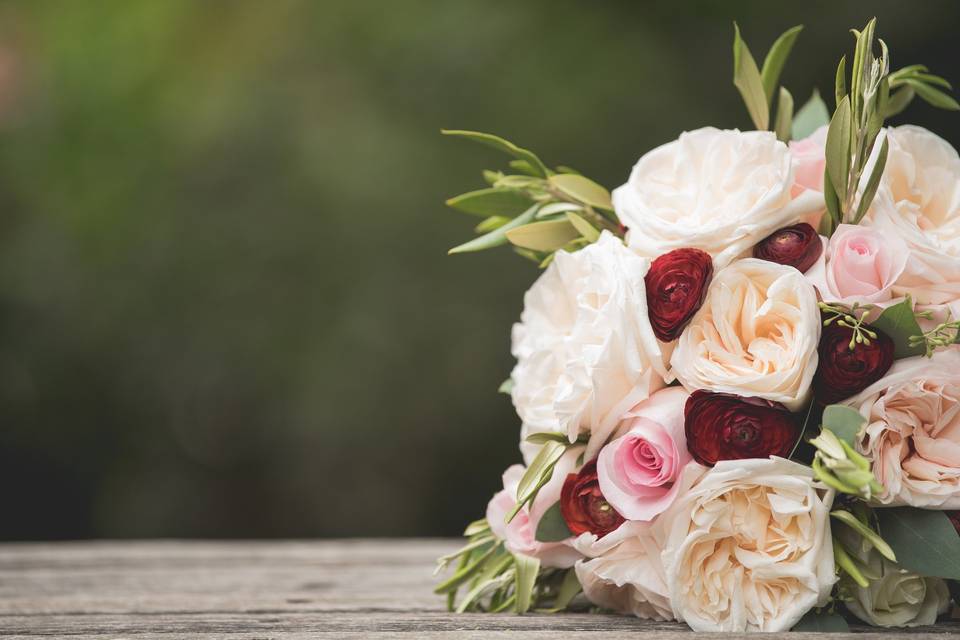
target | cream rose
[
  {"x": 749, "y": 547},
  {"x": 919, "y": 201},
  {"x": 755, "y": 335},
  {"x": 585, "y": 350},
  {"x": 912, "y": 434},
  {"x": 719, "y": 191},
  {"x": 809, "y": 160}
]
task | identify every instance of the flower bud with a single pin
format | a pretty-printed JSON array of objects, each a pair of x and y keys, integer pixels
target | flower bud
[
  {"x": 797, "y": 246},
  {"x": 838, "y": 465}
]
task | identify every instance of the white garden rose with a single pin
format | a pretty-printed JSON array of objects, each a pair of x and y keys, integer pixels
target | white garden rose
[
  {"x": 755, "y": 335},
  {"x": 749, "y": 547},
  {"x": 718, "y": 191},
  {"x": 585, "y": 350},
  {"x": 919, "y": 201},
  {"x": 912, "y": 435}
]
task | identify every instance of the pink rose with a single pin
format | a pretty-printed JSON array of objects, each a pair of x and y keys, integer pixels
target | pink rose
[
  {"x": 519, "y": 535},
  {"x": 809, "y": 161},
  {"x": 860, "y": 264},
  {"x": 638, "y": 471}
]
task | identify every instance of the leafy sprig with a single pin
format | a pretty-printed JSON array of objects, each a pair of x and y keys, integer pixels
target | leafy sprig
[
  {"x": 852, "y": 317},
  {"x": 758, "y": 86},
  {"x": 943, "y": 335}
]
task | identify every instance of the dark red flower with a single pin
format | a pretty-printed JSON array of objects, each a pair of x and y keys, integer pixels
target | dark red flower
[
  {"x": 722, "y": 426},
  {"x": 798, "y": 246},
  {"x": 843, "y": 372},
  {"x": 676, "y": 285},
  {"x": 583, "y": 506},
  {"x": 954, "y": 517}
]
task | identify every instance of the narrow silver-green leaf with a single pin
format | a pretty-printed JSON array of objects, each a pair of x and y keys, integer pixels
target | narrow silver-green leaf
[
  {"x": 586, "y": 229},
  {"x": 548, "y": 235},
  {"x": 496, "y": 237},
  {"x": 932, "y": 96},
  {"x": 829, "y": 222},
  {"x": 862, "y": 58},
  {"x": 811, "y": 116},
  {"x": 556, "y": 208},
  {"x": 500, "y": 144},
  {"x": 784, "y": 120},
  {"x": 898, "y": 101},
  {"x": 492, "y": 201},
  {"x": 866, "y": 533},
  {"x": 776, "y": 58},
  {"x": 545, "y": 436},
  {"x": 537, "y": 474},
  {"x": 527, "y": 569},
  {"x": 838, "y": 148},
  {"x": 746, "y": 78},
  {"x": 491, "y": 223},
  {"x": 840, "y": 84},
  {"x": 870, "y": 191},
  {"x": 582, "y": 190}
]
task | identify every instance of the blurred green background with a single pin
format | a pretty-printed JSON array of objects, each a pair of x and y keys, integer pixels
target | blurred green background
[{"x": 225, "y": 305}]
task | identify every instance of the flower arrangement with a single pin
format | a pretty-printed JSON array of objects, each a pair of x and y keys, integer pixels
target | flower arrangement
[{"x": 738, "y": 375}]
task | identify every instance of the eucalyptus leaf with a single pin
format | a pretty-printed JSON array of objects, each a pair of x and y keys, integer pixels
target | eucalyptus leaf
[
  {"x": 870, "y": 191},
  {"x": 493, "y": 201},
  {"x": 810, "y": 117},
  {"x": 822, "y": 621},
  {"x": 838, "y": 148},
  {"x": 784, "y": 120},
  {"x": 899, "y": 323},
  {"x": 746, "y": 78},
  {"x": 548, "y": 235},
  {"x": 552, "y": 526},
  {"x": 587, "y": 230},
  {"x": 925, "y": 541},
  {"x": 500, "y": 144},
  {"x": 496, "y": 237},
  {"x": 583, "y": 190},
  {"x": 527, "y": 569},
  {"x": 845, "y": 422},
  {"x": 776, "y": 58}
]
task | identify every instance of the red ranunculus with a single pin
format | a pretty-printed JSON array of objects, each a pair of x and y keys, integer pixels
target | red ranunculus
[
  {"x": 843, "y": 372},
  {"x": 798, "y": 246},
  {"x": 676, "y": 285},
  {"x": 583, "y": 506},
  {"x": 723, "y": 426}
]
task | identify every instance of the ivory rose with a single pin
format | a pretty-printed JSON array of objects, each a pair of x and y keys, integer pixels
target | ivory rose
[
  {"x": 585, "y": 349},
  {"x": 860, "y": 264},
  {"x": 749, "y": 547},
  {"x": 639, "y": 472},
  {"x": 912, "y": 434},
  {"x": 519, "y": 535},
  {"x": 718, "y": 191},
  {"x": 755, "y": 335},
  {"x": 919, "y": 201}
]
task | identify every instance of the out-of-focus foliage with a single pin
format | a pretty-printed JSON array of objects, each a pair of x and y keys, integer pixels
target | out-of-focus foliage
[{"x": 226, "y": 307}]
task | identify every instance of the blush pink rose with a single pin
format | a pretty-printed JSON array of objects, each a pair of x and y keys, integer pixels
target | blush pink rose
[
  {"x": 519, "y": 535},
  {"x": 860, "y": 264},
  {"x": 809, "y": 161},
  {"x": 638, "y": 471}
]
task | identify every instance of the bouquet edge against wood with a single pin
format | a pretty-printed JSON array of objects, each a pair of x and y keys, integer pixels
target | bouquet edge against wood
[{"x": 738, "y": 375}]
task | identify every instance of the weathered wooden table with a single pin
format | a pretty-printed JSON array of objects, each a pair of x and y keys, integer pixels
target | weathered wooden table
[{"x": 237, "y": 590}]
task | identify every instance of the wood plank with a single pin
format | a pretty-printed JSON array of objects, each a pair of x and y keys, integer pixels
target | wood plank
[{"x": 270, "y": 589}]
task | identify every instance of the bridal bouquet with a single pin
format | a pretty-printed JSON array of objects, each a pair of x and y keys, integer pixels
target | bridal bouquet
[{"x": 738, "y": 376}]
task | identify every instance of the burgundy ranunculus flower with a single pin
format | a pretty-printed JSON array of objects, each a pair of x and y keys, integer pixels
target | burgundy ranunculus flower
[
  {"x": 583, "y": 506},
  {"x": 723, "y": 426},
  {"x": 676, "y": 285},
  {"x": 797, "y": 246},
  {"x": 843, "y": 372}
]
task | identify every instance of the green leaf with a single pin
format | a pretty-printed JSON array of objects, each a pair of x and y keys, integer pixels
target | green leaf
[
  {"x": 542, "y": 437},
  {"x": 557, "y": 208},
  {"x": 873, "y": 183},
  {"x": 810, "y": 117},
  {"x": 899, "y": 323},
  {"x": 493, "y": 201},
  {"x": 776, "y": 58},
  {"x": 537, "y": 474},
  {"x": 746, "y": 78},
  {"x": 840, "y": 83},
  {"x": 843, "y": 421},
  {"x": 548, "y": 235},
  {"x": 830, "y": 221},
  {"x": 862, "y": 56},
  {"x": 865, "y": 532},
  {"x": 583, "y": 190},
  {"x": 552, "y": 527},
  {"x": 526, "y": 577},
  {"x": 491, "y": 223},
  {"x": 925, "y": 541},
  {"x": 586, "y": 229},
  {"x": 562, "y": 168},
  {"x": 524, "y": 167},
  {"x": 496, "y": 237},
  {"x": 898, "y": 102},
  {"x": 822, "y": 621},
  {"x": 567, "y": 591},
  {"x": 932, "y": 96},
  {"x": 784, "y": 119},
  {"x": 500, "y": 144},
  {"x": 462, "y": 575},
  {"x": 838, "y": 148},
  {"x": 506, "y": 386}
]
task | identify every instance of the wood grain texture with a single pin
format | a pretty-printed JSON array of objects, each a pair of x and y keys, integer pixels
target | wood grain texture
[{"x": 287, "y": 590}]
